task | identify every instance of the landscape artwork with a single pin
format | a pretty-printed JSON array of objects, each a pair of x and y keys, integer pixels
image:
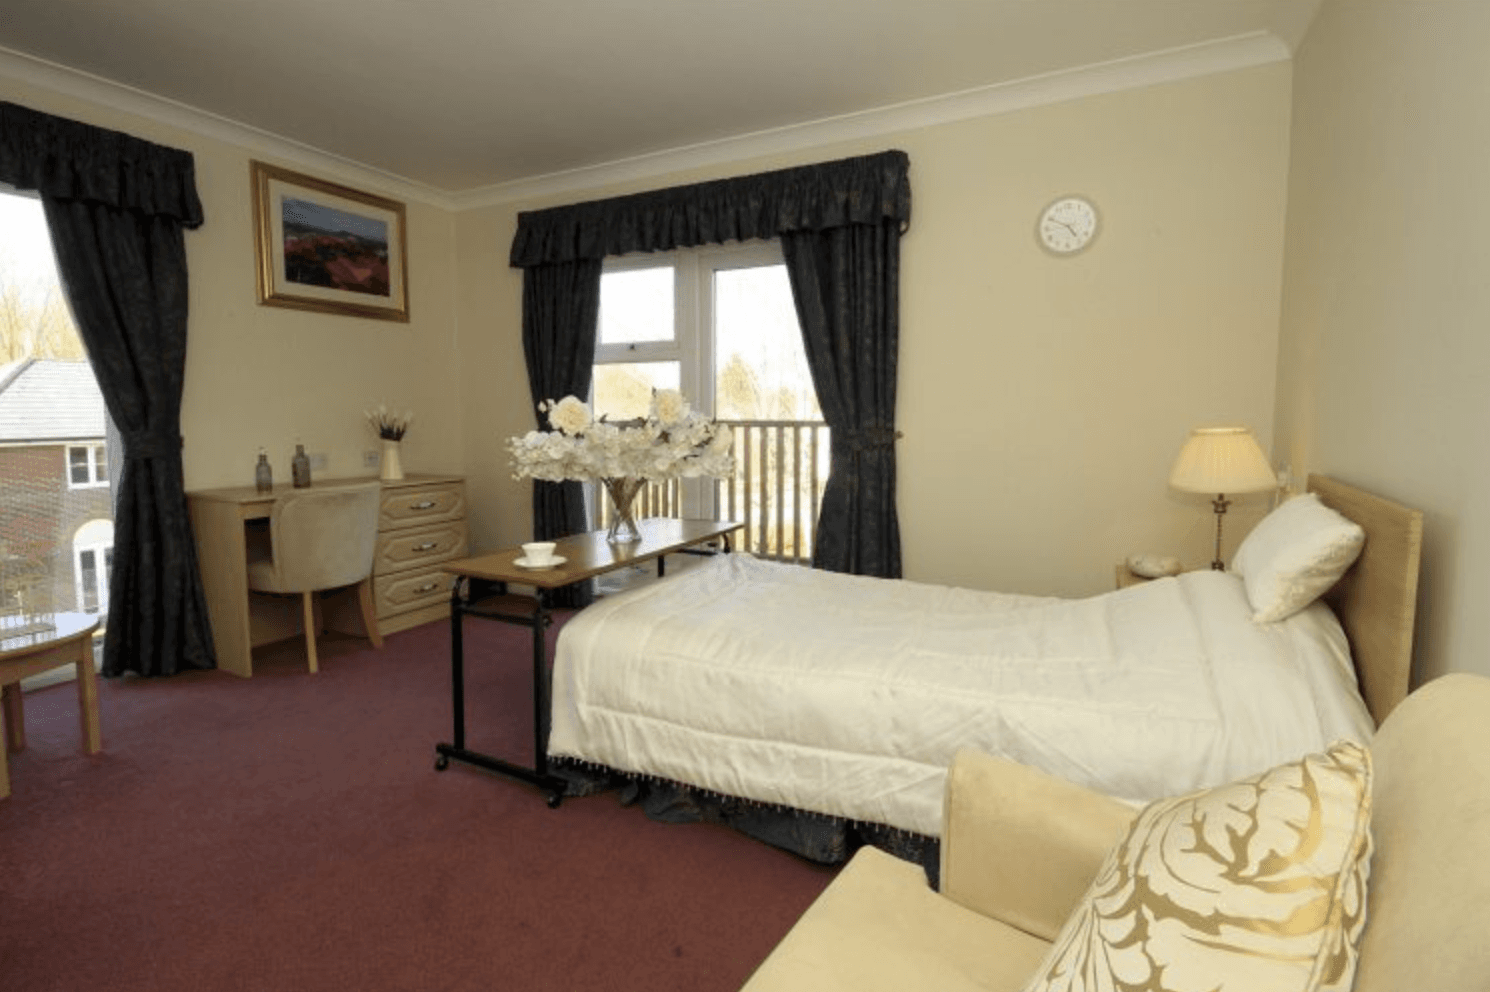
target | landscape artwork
[
  {"x": 324, "y": 246},
  {"x": 328, "y": 248}
]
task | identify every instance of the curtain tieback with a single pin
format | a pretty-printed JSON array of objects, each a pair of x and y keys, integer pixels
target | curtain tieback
[
  {"x": 858, "y": 439},
  {"x": 143, "y": 445}
]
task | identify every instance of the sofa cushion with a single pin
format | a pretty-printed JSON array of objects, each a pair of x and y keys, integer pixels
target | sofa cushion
[
  {"x": 1259, "y": 885},
  {"x": 879, "y": 926}
]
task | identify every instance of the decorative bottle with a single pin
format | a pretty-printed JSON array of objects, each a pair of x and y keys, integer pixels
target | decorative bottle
[
  {"x": 300, "y": 468},
  {"x": 263, "y": 474}
]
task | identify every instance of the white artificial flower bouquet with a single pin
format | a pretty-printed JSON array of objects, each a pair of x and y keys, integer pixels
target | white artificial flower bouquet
[{"x": 672, "y": 441}]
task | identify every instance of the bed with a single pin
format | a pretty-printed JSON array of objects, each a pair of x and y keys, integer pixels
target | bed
[{"x": 846, "y": 697}]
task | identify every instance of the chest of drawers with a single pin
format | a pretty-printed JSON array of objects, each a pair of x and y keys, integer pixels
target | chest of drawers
[{"x": 422, "y": 523}]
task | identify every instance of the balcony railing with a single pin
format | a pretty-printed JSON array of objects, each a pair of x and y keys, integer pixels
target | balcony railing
[{"x": 781, "y": 467}]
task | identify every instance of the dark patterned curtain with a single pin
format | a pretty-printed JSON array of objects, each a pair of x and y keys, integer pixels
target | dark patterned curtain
[
  {"x": 864, "y": 190},
  {"x": 561, "y": 304},
  {"x": 840, "y": 225},
  {"x": 846, "y": 284},
  {"x": 117, "y": 208}
]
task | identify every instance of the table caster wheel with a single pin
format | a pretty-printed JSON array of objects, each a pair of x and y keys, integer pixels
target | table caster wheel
[
  {"x": 442, "y": 762},
  {"x": 554, "y": 799}
]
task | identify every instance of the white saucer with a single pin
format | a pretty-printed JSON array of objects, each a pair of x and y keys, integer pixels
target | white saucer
[{"x": 522, "y": 562}]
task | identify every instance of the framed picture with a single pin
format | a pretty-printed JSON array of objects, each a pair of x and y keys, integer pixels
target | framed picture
[{"x": 329, "y": 248}]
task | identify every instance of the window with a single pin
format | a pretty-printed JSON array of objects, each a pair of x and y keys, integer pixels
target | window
[
  {"x": 93, "y": 563},
  {"x": 56, "y": 534},
  {"x": 717, "y": 323},
  {"x": 639, "y": 345},
  {"x": 720, "y": 324},
  {"x": 87, "y": 465}
]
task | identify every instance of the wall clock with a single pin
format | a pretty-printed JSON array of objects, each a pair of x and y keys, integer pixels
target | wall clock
[{"x": 1068, "y": 225}]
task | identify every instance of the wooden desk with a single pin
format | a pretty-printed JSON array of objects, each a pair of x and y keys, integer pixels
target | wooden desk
[
  {"x": 421, "y": 524},
  {"x": 481, "y": 591},
  {"x": 71, "y": 642}
]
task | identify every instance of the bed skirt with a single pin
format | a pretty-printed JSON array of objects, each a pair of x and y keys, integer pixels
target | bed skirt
[{"x": 818, "y": 837}]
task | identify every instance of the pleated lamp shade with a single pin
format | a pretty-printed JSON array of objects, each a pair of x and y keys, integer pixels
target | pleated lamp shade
[{"x": 1222, "y": 460}]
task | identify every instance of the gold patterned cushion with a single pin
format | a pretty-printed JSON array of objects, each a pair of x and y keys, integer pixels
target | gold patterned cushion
[{"x": 1258, "y": 886}]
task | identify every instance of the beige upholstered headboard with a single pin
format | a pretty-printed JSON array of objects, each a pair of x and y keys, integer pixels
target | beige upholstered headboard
[{"x": 1376, "y": 601}]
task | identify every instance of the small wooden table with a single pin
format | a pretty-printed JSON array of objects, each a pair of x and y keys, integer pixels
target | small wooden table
[
  {"x": 69, "y": 642},
  {"x": 481, "y": 590}
]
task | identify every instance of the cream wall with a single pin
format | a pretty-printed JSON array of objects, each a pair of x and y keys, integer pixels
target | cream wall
[
  {"x": 1384, "y": 348},
  {"x": 261, "y": 376},
  {"x": 1042, "y": 400}
]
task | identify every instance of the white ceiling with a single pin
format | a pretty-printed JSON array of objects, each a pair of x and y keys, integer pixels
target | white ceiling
[{"x": 460, "y": 95}]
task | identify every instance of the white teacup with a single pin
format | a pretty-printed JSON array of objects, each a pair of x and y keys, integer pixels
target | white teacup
[{"x": 538, "y": 552}]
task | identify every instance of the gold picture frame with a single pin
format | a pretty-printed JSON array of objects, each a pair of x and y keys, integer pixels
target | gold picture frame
[{"x": 328, "y": 248}]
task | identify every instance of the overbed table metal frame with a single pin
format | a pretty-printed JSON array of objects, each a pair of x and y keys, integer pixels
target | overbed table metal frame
[{"x": 480, "y": 590}]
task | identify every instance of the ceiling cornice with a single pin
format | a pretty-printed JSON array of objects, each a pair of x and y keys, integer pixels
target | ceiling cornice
[
  {"x": 28, "y": 69},
  {"x": 1171, "y": 65}
]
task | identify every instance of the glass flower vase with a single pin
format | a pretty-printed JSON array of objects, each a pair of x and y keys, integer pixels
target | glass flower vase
[{"x": 623, "y": 492}]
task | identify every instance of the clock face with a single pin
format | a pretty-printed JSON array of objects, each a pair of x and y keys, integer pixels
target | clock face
[{"x": 1068, "y": 225}]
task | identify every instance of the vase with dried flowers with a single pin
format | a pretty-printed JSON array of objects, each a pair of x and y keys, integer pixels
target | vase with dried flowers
[
  {"x": 390, "y": 426},
  {"x": 672, "y": 441}
]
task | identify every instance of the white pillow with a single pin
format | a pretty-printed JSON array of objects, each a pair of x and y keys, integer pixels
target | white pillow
[
  {"x": 1257, "y": 886},
  {"x": 1294, "y": 555}
]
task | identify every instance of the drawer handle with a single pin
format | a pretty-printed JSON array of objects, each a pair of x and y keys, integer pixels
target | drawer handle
[
  {"x": 426, "y": 546},
  {"x": 428, "y": 504},
  {"x": 428, "y": 587}
]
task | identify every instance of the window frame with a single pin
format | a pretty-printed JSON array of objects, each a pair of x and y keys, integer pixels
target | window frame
[
  {"x": 103, "y": 553},
  {"x": 97, "y": 456},
  {"x": 692, "y": 345}
]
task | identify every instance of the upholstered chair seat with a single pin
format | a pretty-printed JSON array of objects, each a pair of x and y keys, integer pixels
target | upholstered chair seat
[
  {"x": 321, "y": 539},
  {"x": 1020, "y": 850}
]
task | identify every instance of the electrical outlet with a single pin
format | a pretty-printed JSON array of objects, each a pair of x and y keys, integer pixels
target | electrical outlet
[
  {"x": 371, "y": 458},
  {"x": 318, "y": 461}
]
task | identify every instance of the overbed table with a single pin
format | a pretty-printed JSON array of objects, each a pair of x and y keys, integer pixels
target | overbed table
[{"x": 481, "y": 591}]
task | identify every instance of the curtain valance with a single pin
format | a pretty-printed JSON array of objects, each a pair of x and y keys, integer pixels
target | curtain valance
[
  {"x": 68, "y": 160},
  {"x": 866, "y": 190}
]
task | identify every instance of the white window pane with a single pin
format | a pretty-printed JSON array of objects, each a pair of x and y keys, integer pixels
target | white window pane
[
  {"x": 77, "y": 461},
  {"x": 760, "y": 364},
  {"x": 623, "y": 390},
  {"x": 88, "y": 578},
  {"x": 636, "y": 305}
]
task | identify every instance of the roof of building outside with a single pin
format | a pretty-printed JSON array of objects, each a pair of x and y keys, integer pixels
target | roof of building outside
[{"x": 47, "y": 400}]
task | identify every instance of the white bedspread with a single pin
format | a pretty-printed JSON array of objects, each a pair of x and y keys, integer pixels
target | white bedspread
[{"x": 849, "y": 696}]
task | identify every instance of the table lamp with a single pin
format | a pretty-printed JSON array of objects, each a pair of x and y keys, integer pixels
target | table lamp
[{"x": 1221, "y": 460}]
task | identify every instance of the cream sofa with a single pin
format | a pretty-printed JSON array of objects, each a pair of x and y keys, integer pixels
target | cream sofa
[{"x": 1020, "y": 848}]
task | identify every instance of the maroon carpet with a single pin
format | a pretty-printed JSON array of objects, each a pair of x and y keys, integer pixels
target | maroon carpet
[{"x": 289, "y": 832}]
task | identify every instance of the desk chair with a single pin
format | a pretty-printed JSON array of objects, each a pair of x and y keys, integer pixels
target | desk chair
[{"x": 322, "y": 539}]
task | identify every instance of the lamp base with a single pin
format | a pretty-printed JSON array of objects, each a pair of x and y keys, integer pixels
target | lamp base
[{"x": 1219, "y": 504}]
